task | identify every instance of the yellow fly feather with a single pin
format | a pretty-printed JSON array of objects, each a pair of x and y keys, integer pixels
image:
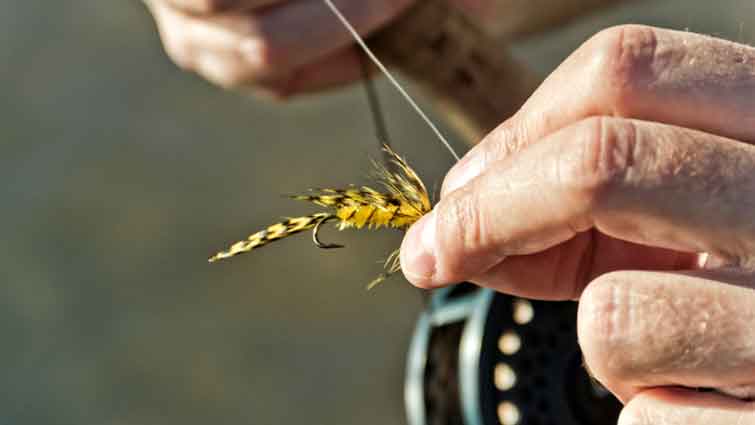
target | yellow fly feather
[
  {"x": 404, "y": 201},
  {"x": 272, "y": 233}
]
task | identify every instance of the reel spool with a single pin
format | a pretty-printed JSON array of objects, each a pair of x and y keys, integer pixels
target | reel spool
[{"x": 479, "y": 357}]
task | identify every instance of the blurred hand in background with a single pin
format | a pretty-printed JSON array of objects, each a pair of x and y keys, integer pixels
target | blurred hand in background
[{"x": 280, "y": 47}]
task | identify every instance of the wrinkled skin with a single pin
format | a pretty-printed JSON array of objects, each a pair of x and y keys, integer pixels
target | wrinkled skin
[{"x": 626, "y": 181}]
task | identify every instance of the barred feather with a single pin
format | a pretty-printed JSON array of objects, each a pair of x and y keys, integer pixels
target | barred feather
[
  {"x": 272, "y": 233},
  {"x": 404, "y": 202}
]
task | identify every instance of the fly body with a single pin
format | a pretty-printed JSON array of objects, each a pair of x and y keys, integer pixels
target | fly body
[{"x": 403, "y": 201}]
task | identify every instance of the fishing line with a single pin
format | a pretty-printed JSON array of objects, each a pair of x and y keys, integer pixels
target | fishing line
[{"x": 360, "y": 41}]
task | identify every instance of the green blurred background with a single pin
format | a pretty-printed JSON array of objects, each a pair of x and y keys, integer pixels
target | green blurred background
[{"x": 120, "y": 174}]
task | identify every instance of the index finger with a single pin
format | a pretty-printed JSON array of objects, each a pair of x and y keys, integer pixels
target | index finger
[
  {"x": 646, "y": 183},
  {"x": 678, "y": 78}
]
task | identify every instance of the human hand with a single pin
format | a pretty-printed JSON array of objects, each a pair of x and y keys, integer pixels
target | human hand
[
  {"x": 281, "y": 47},
  {"x": 627, "y": 181}
]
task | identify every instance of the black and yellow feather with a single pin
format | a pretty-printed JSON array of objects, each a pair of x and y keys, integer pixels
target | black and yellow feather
[{"x": 403, "y": 201}]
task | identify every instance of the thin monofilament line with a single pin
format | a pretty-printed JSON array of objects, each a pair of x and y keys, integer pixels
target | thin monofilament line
[{"x": 384, "y": 70}]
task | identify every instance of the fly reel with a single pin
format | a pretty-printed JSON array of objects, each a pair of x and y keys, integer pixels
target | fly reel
[{"x": 479, "y": 357}]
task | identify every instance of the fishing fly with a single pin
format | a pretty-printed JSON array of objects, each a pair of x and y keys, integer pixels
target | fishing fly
[{"x": 403, "y": 201}]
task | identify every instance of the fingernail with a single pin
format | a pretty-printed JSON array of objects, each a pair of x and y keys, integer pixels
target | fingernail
[
  {"x": 418, "y": 252},
  {"x": 466, "y": 170}
]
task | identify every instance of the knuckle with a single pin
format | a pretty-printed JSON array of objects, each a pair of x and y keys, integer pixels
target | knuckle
[
  {"x": 605, "y": 151},
  {"x": 602, "y": 324},
  {"x": 626, "y": 63}
]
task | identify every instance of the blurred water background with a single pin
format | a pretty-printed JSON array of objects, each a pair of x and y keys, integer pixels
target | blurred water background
[{"x": 119, "y": 174}]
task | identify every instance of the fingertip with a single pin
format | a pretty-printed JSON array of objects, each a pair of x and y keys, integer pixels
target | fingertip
[{"x": 417, "y": 253}]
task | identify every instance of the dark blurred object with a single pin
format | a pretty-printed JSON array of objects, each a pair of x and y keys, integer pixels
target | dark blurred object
[
  {"x": 458, "y": 65},
  {"x": 467, "y": 70},
  {"x": 485, "y": 358}
]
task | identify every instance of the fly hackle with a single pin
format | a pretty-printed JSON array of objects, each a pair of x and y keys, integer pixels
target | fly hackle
[{"x": 316, "y": 237}]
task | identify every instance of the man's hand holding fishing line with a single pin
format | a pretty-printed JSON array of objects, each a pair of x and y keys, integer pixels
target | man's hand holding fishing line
[
  {"x": 279, "y": 48},
  {"x": 626, "y": 181}
]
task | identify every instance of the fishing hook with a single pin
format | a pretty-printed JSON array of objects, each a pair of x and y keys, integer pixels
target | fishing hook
[{"x": 316, "y": 230}]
